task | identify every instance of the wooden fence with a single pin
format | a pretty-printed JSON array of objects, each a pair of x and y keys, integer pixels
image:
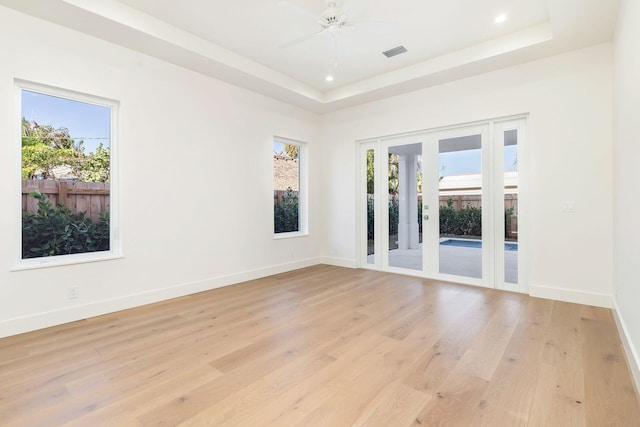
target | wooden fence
[{"x": 89, "y": 197}]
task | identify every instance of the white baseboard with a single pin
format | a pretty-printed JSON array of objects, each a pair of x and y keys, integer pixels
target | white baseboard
[
  {"x": 629, "y": 348},
  {"x": 570, "y": 295},
  {"x": 339, "y": 262},
  {"x": 57, "y": 317}
]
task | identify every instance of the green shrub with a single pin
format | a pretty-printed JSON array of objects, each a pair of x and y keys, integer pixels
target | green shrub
[
  {"x": 58, "y": 231},
  {"x": 449, "y": 219},
  {"x": 370, "y": 217},
  {"x": 465, "y": 222},
  {"x": 285, "y": 214},
  {"x": 393, "y": 216},
  {"x": 470, "y": 221}
]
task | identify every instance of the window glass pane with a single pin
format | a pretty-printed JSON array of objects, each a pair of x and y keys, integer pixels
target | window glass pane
[
  {"x": 371, "y": 207},
  {"x": 286, "y": 187},
  {"x": 511, "y": 206},
  {"x": 66, "y": 170},
  {"x": 460, "y": 163},
  {"x": 405, "y": 206}
]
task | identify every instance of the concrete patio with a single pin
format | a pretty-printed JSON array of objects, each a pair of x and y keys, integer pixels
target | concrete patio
[{"x": 454, "y": 260}]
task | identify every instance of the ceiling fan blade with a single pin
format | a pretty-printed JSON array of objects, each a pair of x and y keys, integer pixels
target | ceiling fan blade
[
  {"x": 372, "y": 27},
  {"x": 301, "y": 39},
  {"x": 298, "y": 10}
]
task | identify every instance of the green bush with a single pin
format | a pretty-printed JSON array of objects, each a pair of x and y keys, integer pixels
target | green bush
[
  {"x": 393, "y": 216},
  {"x": 449, "y": 219},
  {"x": 465, "y": 222},
  {"x": 285, "y": 214},
  {"x": 370, "y": 217},
  {"x": 58, "y": 231},
  {"x": 470, "y": 221}
]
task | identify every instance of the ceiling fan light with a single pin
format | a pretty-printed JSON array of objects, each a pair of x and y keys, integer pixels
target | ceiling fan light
[{"x": 499, "y": 19}]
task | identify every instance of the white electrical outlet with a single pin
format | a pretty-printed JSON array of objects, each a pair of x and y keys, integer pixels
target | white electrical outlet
[
  {"x": 568, "y": 206},
  {"x": 72, "y": 292}
]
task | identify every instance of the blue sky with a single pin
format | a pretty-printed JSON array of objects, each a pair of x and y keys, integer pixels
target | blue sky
[
  {"x": 469, "y": 161},
  {"x": 88, "y": 122},
  {"x": 278, "y": 147}
]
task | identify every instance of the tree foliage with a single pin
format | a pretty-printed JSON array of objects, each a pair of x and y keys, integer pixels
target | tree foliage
[
  {"x": 291, "y": 150},
  {"x": 44, "y": 148},
  {"x": 393, "y": 174},
  {"x": 96, "y": 165}
]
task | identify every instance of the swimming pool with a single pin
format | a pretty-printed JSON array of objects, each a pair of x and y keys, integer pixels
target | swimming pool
[{"x": 465, "y": 243}]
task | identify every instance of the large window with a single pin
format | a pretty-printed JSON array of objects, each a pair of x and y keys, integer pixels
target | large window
[
  {"x": 289, "y": 189},
  {"x": 66, "y": 175}
]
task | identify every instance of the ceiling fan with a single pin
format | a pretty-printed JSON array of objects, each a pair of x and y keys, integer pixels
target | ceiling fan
[{"x": 333, "y": 21}]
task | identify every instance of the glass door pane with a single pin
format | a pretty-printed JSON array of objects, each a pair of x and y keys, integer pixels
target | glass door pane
[
  {"x": 460, "y": 199},
  {"x": 371, "y": 247},
  {"x": 405, "y": 206},
  {"x": 511, "y": 206}
]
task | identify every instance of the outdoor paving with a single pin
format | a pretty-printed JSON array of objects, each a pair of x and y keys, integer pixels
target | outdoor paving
[{"x": 455, "y": 260}]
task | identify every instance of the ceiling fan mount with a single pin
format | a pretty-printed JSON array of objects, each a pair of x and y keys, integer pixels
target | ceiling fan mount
[{"x": 332, "y": 20}]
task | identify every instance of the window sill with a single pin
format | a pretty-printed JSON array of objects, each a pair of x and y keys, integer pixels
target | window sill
[
  {"x": 61, "y": 260},
  {"x": 294, "y": 234}
]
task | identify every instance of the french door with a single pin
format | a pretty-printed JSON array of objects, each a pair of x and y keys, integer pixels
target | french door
[{"x": 445, "y": 204}]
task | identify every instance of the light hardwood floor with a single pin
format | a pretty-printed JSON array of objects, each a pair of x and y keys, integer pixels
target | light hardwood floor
[{"x": 325, "y": 346}]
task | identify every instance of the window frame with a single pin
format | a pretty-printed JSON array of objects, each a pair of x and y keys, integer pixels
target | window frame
[
  {"x": 115, "y": 247},
  {"x": 303, "y": 190}
]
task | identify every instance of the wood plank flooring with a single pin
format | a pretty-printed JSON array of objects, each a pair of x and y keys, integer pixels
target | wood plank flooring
[{"x": 325, "y": 346}]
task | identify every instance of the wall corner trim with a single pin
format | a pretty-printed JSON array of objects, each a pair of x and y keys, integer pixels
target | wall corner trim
[
  {"x": 339, "y": 262},
  {"x": 629, "y": 349}
]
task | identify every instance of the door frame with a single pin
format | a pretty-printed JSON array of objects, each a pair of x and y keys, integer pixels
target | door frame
[
  {"x": 433, "y": 197},
  {"x": 518, "y": 123},
  {"x": 492, "y": 182}
]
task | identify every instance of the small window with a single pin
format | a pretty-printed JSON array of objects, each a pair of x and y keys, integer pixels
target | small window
[
  {"x": 289, "y": 192},
  {"x": 66, "y": 142}
]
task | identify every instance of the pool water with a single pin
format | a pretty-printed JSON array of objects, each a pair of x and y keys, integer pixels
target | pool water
[{"x": 475, "y": 244}]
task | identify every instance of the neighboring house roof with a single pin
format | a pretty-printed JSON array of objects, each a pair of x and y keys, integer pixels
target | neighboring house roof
[
  {"x": 63, "y": 173},
  {"x": 471, "y": 184},
  {"x": 286, "y": 172}
]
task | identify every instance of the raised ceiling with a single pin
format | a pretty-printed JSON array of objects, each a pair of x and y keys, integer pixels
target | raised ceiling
[{"x": 240, "y": 41}]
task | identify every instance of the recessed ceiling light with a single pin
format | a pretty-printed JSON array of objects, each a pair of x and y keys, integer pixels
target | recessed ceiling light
[
  {"x": 329, "y": 78},
  {"x": 500, "y": 18}
]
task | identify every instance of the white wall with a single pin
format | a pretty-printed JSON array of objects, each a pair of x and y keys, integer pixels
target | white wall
[
  {"x": 569, "y": 98},
  {"x": 627, "y": 176},
  {"x": 215, "y": 225},
  {"x": 196, "y": 178}
]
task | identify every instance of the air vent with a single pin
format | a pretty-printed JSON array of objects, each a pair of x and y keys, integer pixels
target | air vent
[{"x": 395, "y": 51}]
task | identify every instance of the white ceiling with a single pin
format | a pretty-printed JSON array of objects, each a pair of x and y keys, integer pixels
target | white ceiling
[{"x": 240, "y": 41}]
